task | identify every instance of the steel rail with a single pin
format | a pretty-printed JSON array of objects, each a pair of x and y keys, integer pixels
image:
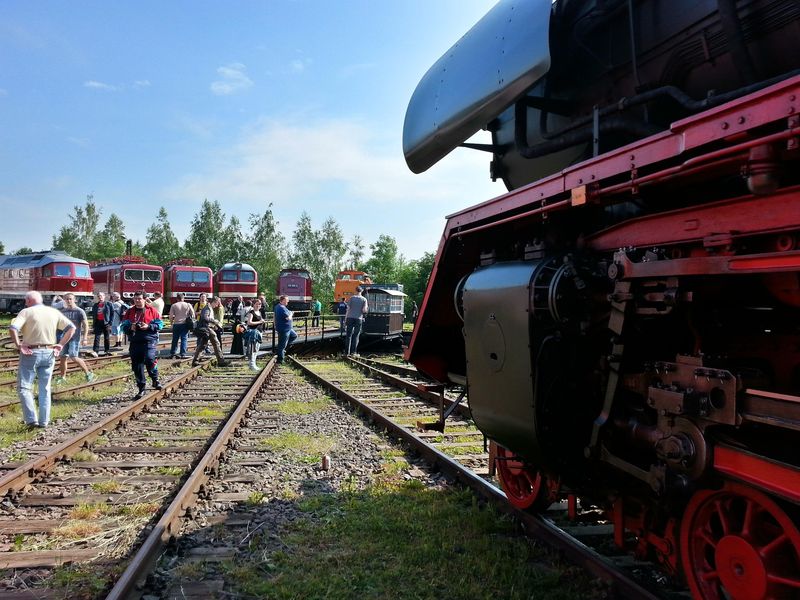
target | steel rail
[
  {"x": 166, "y": 528},
  {"x": 572, "y": 549},
  {"x": 18, "y": 478}
]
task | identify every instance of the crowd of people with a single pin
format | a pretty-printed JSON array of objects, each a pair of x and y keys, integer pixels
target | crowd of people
[{"x": 45, "y": 335}]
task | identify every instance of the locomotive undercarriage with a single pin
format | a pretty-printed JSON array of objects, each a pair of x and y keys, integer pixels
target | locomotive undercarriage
[{"x": 649, "y": 377}]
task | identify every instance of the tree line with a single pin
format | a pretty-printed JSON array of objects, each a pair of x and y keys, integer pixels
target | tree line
[{"x": 216, "y": 238}]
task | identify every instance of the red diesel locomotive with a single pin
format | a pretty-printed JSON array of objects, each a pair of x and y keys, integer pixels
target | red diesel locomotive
[
  {"x": 236, "y": 279},
  {"x": 297, "y": 286},
  {"x": 184, "y": 277},
  {"x": 52, "y": 273},
  {"x": 126, "y": 275},
  {"x": 627, "y": 318}
]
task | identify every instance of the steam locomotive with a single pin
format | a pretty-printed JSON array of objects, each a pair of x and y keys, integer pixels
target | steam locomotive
[{"x": 626, "y": 318}]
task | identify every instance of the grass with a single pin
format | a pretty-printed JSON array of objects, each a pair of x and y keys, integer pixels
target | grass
[
  {"x": 174, "y": 471},
  {"x": 84, "y": 456},
  {"x": 300, "y": 407},
  {"x": 256, "y": 498},
  {"x": 401, "y": 540},
  {"x": 107, "y": 487},
  {"x": 307, "y": 449},
  {"x": 203, "y": 412}
]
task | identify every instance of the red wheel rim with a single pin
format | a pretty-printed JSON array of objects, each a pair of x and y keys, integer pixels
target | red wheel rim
[
  {"x": 738, "y": 544},
  {"x": 523, "y": 486}
]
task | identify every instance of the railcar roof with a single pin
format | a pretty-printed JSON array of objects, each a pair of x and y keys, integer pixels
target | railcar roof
[
  {"x": 38, "y": 259},
  {"x": 236, "y": 267}
]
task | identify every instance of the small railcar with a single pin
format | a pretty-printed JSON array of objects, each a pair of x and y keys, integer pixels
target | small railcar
[
  {"x": 188, "y": 279},
  {"x": 126, "y": 275},
  {"x": 297, "y": 286},
  {"x": 236, "y": 279},
  {"x": 346, "y": 283},
  {"x": 386, "y": 310},
  {"x": 52, "y": 273}
]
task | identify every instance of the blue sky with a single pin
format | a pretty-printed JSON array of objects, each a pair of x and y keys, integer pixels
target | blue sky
[{"x": 299, "y": 103}]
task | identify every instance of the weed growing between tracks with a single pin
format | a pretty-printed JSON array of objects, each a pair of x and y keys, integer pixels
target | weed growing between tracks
[{"x": 400, "y": 539}]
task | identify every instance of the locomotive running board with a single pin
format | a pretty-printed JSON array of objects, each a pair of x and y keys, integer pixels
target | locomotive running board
[{"x": 776, "y": 477}]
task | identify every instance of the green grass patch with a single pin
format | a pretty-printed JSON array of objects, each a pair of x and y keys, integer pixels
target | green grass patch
[
  {"x": 107, "y": 487},
  {"x": 204, "y": 412},
  {"x": 307, "y": 449},
  {"x": 84, "y": 580},
  {"x": 300, "y": 407},
  {"x": 173, "y": 471},
  {"x": 402, "y": 541}
]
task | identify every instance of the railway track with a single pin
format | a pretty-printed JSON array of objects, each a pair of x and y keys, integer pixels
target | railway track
[
  {"x": 410, "y": 410},
  {"x": 95, "y": 495}
]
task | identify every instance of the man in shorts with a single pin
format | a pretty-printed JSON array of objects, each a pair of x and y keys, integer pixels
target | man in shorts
[{"x": 73, "y": 347}]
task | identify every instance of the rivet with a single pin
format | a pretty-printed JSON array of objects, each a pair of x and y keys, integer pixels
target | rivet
[{"x": 725, "y": 125}]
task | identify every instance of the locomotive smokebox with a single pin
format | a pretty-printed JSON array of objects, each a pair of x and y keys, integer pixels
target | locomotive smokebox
[{"x": 498, "y": 350}]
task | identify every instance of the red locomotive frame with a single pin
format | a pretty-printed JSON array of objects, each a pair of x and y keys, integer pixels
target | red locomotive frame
[
  {"x": 126, "y": 275},
  {"x": 720, "y": 503},
  {"x": 297, "y": 286},
  {"x": 183, "y": 276},
  {"x": 52, "y": 273},
  {"x": 236, "y": 279}
]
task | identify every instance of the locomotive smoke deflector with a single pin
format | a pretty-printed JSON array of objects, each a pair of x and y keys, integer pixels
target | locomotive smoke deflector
[{"x": 486, "y": 71}]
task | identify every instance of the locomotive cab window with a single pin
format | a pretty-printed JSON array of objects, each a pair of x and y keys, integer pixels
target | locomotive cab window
[
  {"x": 247, "y": 276},
  {"x": 81, "y": 271},
  {"x": 229, "y": 276},
  {"x": 133, "y": 275},
  {"x": 47, "y": 271},
  {"x": 201, "y": 277},
  {"x": 152, "y": 275},
  {"x": 63, "y": 271}
]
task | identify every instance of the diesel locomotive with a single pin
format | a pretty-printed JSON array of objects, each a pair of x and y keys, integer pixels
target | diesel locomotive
[
  {"x": 51, "y": 272},
  {"x": 627, "y": 318}
]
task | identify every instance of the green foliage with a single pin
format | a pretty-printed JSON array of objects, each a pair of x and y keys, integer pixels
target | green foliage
[
  {"x": 321, "y": 252},
  {"x": 2, "y": 248},
  {"x": 78, "y": 237},
  {"x": 111, "y": 240},
  {"x": 161, "y": 245},
  {"x": 204, "y": 241},
  {"x": 355, "y": 258},
  {"x": 232, "y": 244},
  {"x": 385, "y": 263},
  {"x": 24, "y": 250},
  {"x": 266, "y": 249}
]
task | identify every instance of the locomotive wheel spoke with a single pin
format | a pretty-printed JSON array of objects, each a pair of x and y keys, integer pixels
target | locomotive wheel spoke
[
  {"x": 738, "y": 544},
  {"x": 523, "y": 486}
]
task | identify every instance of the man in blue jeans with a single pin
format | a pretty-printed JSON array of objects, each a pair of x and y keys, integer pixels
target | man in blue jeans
[
  {"x": 37, "y": 325},
  {"x": 356, "y": 309},
  {"x": 283, "y": 325},
  {"x": 179, "y": 313}
]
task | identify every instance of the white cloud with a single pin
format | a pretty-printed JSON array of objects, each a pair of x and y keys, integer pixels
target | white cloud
[
  {"x": 234, "y": 79},
  {"x": 298, "y": 65},
  {"x": 99, "y": 85},
  {"x": 80, "y": 142},
  {"x": 340, "y": 168},
  {"x": 141, "y": 83}
]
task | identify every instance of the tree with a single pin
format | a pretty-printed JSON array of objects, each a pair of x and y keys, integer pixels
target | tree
[
  {"x": 321, "y": 252},
  {"x": 265, "y": 249},
  {"x": 414, "y": 276},
  {"x": 331, "y": 251},
  {"x": 110, "y": 241},
  {"x": 232, "y": 245},
  {"x": 356, "y": 257},
  {"x": 385, "y": 263},
  {"x": 2, "y": 248},
  {"x": 203, "y": 243},
  {"x": 78, "y": 238},
  {"x": 161, "y": 245},
  {"x": 24, "y": 250}
]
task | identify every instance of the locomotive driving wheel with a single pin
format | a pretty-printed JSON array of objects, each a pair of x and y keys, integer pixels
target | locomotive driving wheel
[
  {"x": 526, "y": 488},
  {"x": 737, "y": 543}
]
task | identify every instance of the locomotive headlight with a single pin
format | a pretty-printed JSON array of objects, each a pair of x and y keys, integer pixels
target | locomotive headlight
[{"x": 73, "y": 283}]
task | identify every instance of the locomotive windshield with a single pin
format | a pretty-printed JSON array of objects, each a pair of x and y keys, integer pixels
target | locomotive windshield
[
  {"x": 82, "y": 271},
  {"x": 142, "y": 275},
  {"x": 247, "y": 276},
  {"x": 192, "y": 276},
  {"x": 62, "y": 270}
]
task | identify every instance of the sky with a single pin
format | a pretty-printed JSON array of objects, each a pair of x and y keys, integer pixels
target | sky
[{"x": 298, "y": 103}]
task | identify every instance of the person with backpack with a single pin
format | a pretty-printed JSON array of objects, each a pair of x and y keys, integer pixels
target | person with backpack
[{"x": 204, "y": 330}]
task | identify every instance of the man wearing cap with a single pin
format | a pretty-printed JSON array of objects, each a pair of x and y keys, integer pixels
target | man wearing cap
[
  {"x": 38, "y": 325},
  {"x": 356, "y": 309}
]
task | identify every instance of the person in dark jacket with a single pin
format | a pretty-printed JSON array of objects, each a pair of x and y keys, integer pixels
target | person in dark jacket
[
  {"x": 283, "y": 325},
  {"x": 206, "y": 323},
  {"x": 142, "y": 324},
  {"x": 102, "y": 317}
]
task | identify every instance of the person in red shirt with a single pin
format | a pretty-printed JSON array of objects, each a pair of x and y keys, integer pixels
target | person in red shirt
[
  {"x": 142, "y": 324},
  {"x": 102, "y": 314}
]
